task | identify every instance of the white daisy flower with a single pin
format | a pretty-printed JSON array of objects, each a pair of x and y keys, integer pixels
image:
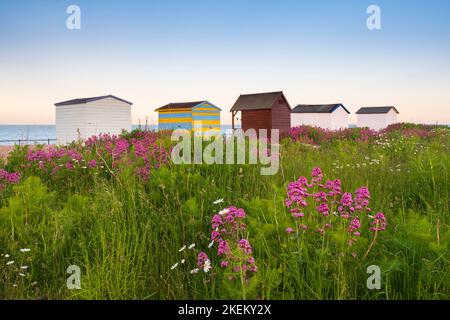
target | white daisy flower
[
  {"x": 207, "y": 266},
  {"x": 224, "y": 211},
  {"x": 191, "y": 246}
]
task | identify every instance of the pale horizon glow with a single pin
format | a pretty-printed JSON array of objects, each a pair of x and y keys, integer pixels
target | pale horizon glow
[{"x": 155, "y": 52}]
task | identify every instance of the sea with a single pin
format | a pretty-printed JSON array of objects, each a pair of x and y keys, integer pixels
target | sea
[{"x": 46, "y": 134}]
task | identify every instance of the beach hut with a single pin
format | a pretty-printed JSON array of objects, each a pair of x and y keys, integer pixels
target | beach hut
[
  {"x": 326, "y": 116},
  {"x": 85, "y": 117},
  {"x": 269, "y": 110},
  {"x": 199, "y": 116},
  {"x": 376, "y": 117}
]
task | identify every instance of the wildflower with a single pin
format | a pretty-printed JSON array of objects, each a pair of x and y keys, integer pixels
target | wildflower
[
  {"x": 69, "y": 166},
  {"x": 346, "y": 199},
  {"x": 191, "y": 246},
  {"x": 201, "y": 259},
  {"x": 379, "y": 222},
  {"x": 323, "y": 209},
  {"x": 193, "y": 271},
  {"x": 207, "y": 266},
  {"x": 320, "y": 196},
  {"x": 289, "y": 230},
  {"x": 362, "y": 196},
  {"x": 317, "y": 175},
  {"x": 245, "y": 246},
  {"x": 92, "y": 164},
  {"x": 298, "y": 215},
  {"x": 354, "y": 225},
  {"x": 11, "y": 178},
  {"x": 215, "y": 236},
  {"x": 224, "y": 264},
  {"x": 183, "y": 261},
  {"x": 224, "y": 211},
  {"x": 223, "y": 248},
  {"x": 6, "y": 255},
  {"x": 216, "y": 221},
  {"x": 121, "y": 147}
]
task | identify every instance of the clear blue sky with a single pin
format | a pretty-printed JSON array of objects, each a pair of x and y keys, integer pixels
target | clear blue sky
[{"x": 153, "y": 52}]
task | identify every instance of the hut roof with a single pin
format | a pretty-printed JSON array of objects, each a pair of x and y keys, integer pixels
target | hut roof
[
  {"x": 318, "y": 108},
  {"x": 376, "y": 110},
  {"x": 86, "y": 100},
  {"x": 184, "y": 105},
  {"x": 256, "y": 101}
]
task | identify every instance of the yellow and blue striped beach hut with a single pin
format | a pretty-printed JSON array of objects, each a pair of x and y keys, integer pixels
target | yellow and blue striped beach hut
[{"x": 198, "y": 116}]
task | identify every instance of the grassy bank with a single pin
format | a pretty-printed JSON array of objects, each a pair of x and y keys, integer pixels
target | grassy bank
[{"x": 121, "y": 211}]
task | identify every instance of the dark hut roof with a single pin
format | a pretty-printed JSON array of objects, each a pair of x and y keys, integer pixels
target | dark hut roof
[
  {"x": 180, "y": 105},
  {"x": 376, "y": 110},
  {"x": 86, "y": 100},
  {"x": 256, "y": 101},
  {"x": 318, "y": 108}
]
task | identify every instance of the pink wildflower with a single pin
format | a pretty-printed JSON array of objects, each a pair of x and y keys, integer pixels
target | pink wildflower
[
  {"x": 379, "y": 222},
  {"x": 201, "y": 259},
  {"x": 92, "y": 164},
  {"x": 245, "y": 246}
]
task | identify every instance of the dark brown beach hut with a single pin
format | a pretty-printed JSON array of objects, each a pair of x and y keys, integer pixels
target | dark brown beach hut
[{"x": 269, "y": 110}]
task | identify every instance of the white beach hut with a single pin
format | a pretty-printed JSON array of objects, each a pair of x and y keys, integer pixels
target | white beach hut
[
  {"x": 84, "y": 117},
  {"x": 376, "y": 118},
  {"x": 327, "y": 116}
]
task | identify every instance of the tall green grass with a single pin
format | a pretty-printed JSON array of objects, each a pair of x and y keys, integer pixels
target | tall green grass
[{"x": 125, "y": 234}]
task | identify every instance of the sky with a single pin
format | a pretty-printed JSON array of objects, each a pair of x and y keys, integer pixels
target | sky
[{"x": 158, "y": 51}]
